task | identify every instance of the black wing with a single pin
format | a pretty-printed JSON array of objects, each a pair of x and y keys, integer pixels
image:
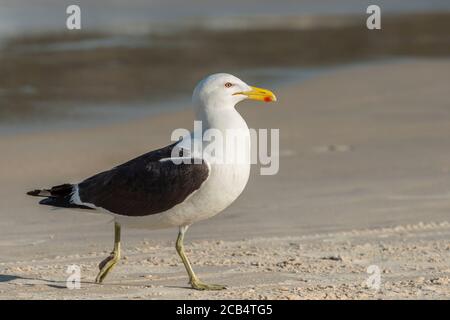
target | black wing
[{"x": 145, "y": 185}]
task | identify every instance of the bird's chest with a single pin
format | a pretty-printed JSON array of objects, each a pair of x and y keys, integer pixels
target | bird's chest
[
  {"x": 223, "y": 187},
  {"x": 229, "y": 180}
]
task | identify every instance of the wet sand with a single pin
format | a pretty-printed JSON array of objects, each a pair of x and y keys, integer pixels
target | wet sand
[{"x": 364, "y": 180}]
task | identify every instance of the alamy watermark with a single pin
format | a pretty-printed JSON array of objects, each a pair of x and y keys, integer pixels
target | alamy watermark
[
  {"x": 232, "y": 146},
  {"x": 73, "y": 281},
  {"x": 374, "y": 280},
  {"x": 73, "y": 21},
  {"x": 373, "y": 22}
]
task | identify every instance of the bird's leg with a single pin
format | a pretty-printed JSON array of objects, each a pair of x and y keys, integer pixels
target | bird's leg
[
  {"x": 194, "y": 281},
  {"x": 106, "y": 265}
]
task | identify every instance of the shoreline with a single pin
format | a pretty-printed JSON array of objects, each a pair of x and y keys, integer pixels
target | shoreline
[
  {"x": 86, "y": 117},
  {"x": 92, "y": 117}
]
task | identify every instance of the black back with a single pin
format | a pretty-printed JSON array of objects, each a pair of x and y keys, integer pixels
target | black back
[{"x": 145, "y": 185}]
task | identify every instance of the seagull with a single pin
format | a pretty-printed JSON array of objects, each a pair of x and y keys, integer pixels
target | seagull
[{"x": 174, "y": 186}]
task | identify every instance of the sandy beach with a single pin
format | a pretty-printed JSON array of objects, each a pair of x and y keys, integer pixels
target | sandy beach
[{"x": 364, "y": 180}]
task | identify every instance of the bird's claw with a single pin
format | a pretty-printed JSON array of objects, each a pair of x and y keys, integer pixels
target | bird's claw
[
  {"x": 105, "y": 266},
  {"x": 199, "y": 285}
]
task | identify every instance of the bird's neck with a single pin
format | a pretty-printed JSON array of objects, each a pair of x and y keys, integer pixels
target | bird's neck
[
  {"x": 222, "y": 119},
  {"x": 228, "y": 132}
]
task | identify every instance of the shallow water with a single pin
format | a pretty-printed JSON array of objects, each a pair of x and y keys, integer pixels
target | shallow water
[
  {"x": 75, "y": 116},
  {"x": 25, "y": 16}
]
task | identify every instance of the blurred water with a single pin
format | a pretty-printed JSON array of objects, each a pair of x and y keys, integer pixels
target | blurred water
[
  {"x": 139, "y": 16},
  {"x": 75, "y": 116}
]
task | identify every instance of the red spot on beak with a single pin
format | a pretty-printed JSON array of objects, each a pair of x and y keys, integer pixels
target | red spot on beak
[{"x": 267, "y": 99}]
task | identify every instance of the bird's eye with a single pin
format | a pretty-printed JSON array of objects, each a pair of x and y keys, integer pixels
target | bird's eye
[{"x": 228, "y": 85}]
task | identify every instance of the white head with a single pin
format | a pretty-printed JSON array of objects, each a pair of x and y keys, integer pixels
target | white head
[{"x": 222, "y": 90}]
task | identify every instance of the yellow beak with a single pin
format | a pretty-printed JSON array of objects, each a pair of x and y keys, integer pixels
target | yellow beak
[{"x": 260, "y": 94}]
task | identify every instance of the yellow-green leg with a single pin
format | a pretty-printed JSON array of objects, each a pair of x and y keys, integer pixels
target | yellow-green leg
[
  {"x": 194, "y": 281},
  {"x": 106, "y": 265}
]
